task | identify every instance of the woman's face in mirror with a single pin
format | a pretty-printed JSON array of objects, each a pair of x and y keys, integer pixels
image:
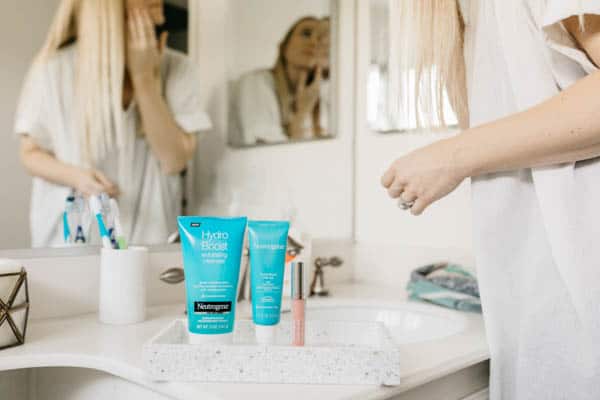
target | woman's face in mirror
[
  {"x": 303, "y": 47},
  {"x": 154, "y": 7}
]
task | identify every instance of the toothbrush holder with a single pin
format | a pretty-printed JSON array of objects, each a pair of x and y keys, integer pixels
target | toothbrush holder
[{"x": 122, "y": 297}]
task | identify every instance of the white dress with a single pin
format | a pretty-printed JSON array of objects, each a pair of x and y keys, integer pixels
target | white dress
[
  {"x": 149, "y": 200},
  {"x": 536, "y": 231},
  {"x": 256, "y": 117}
]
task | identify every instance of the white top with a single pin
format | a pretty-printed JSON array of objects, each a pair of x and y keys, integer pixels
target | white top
[
  {"x": 256, "y": 117},
  {"x": 150, "y": 201},
  {"x": 535, "y": 230}
]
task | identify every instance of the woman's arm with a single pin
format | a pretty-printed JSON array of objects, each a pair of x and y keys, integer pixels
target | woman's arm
[
  {"x": 172, "y": 146},
  {"x": 41, "y": 163},
  {"x": 565, "y": 128}
]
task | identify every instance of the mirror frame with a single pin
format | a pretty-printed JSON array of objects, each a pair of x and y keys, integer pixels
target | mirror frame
[{"x": 78, "y": 251}]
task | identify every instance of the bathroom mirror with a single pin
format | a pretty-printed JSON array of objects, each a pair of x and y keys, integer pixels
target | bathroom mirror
[
  {"x": 24, "y": 31},
  {"x": 280, "y": 72},
  {"x": 388, "y": 111},
  {"x": 261, "y": 40}
]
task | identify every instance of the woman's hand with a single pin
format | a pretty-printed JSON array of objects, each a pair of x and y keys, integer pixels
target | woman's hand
[
  {"x": 307, "y": 96},
  {"x": 305, "y": 101},
  {"x": 424, "y": 175},
  {"x": 143, "y": 50},
  {"x": 42, "y": 163},
  {"x": 93, "y": 182}
]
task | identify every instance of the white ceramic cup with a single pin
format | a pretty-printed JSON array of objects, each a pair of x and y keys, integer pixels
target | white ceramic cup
[{"x": 123, "y": 285}]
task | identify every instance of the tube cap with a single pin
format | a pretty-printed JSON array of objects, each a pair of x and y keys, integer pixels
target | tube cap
[
  {"x": 223, "y": 338},
  {"x": 297, "y": 280},
  {"x": 265, "y": 334}
]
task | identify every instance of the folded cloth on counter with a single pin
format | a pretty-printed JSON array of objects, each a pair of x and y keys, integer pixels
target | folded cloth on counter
[{"x": 447, "y": 285}]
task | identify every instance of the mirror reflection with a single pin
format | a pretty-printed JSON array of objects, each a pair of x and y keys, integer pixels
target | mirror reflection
[
  {"x": 109, "y": 109},
  {"x": 285, "y": 95},
  {"x": 105, "y": 103}
]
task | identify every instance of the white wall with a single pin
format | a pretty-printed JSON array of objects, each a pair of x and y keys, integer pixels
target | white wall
[
  {"x": 23, "y": 25},
  {"x": 446, "y": 224},
  {"x": 315, "y": 177}
]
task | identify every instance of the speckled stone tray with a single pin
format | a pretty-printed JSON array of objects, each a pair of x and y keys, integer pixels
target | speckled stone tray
[{"x": 341, "y": 352}]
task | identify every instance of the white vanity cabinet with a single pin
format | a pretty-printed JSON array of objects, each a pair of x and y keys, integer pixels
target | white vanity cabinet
[
  {"x": 70, "y": 384},
  {"x": 467, "y": 384},
  {"x": 88, "y": 384}
]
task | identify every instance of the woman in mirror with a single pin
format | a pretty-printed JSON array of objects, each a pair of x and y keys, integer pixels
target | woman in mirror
[
  {"x": 107, "y": 107},
  {"x": 523, "y": 77},
  {"x": 291, "y": 100}
]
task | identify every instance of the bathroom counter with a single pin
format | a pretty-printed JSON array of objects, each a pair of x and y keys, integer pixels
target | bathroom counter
[{"x": 84, "y": 343}]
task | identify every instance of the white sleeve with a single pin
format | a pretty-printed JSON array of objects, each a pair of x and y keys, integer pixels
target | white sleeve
[
  {"x": 31, "y": 117},
  {"x": 569, "y": 62},
  {"x": 182, "y": 93},
  {"x": 257, "y": 115}
]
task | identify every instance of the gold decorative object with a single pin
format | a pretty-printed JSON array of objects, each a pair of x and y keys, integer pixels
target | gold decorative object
[{"x": 14, "y": 308}]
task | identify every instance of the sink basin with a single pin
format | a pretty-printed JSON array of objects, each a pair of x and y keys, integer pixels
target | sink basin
[{"x": 406, "y": 323}]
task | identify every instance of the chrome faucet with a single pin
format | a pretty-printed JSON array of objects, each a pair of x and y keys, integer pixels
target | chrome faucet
[
  {"x": 245, "y": 267},
  {"x": 317, "y": 285},
  {"x": 172, "y": 276}
]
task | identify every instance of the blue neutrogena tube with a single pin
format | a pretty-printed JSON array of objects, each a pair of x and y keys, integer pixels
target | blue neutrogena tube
[
  {"x": 212, "y": 252},
  {"x": 268, "y": 241}
]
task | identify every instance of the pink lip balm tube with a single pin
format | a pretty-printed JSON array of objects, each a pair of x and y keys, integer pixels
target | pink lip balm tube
[{"x": 298, "y": 304}]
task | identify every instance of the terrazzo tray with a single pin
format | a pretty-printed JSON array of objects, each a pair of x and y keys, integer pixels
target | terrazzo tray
[{"x": 335, "y": 353}]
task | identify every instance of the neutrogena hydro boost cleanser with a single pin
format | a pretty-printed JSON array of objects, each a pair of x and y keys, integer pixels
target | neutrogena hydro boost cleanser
[{"x": 212, "y": 252}]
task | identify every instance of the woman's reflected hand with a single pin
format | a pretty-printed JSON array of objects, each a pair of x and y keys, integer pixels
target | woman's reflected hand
[
  {"x": 143, "y": 49},
  {"x": 306, "y": 98},
  {"x": 424, "y": 175},
  {"x": 93, "y": 182},
  {"x": 307, "y": 95}
]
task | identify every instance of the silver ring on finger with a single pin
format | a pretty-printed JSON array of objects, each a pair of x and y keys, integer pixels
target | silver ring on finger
[{"x": 406, "y": 205}]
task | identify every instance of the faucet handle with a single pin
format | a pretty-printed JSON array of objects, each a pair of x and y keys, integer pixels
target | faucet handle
[
  {"x": 317, "y": 285},
  {"x": 172, "y": 275},
  {"x": 334, "y": 261}
]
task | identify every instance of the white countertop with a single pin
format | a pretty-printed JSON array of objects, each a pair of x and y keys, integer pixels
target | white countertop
[{"x": 84, "y": 342}]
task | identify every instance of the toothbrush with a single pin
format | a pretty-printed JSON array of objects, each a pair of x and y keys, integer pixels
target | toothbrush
[
  {"x": 96, "y": 208},
  {"x": 66, "y": 230},
  {"x": 109, "y": 220},
  {"x": 81, "y": 220},
  {"x": 121, "y": 241},
  {"x": 68, "y": 210}
]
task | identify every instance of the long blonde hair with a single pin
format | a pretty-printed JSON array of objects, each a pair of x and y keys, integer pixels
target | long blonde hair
[
  {"x": 283, "y": 86},
  {"x": 432, "y": 42},
  {"x": 97, "y": 28}
]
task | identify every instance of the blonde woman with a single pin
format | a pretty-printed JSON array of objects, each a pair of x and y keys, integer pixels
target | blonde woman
[
  {"x": 289, "y": 101},
  {"x": 108, "y": 108},
  {"x": 532, "y": 101}
]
